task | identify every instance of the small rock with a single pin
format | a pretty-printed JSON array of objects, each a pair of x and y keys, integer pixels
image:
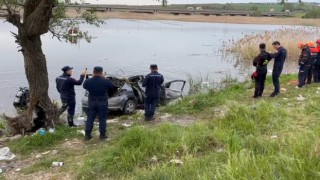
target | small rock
[
  {"x": 166, "y": 116},
  {"x": 220, "y": 150},
  {"x": 66, "y": 140},
  {"x": 286, "y": 99},
  {"x": 154, "y": 159},
  {"x": 127, "y": 124},
  {"x": 81, "y": 132},
  {"x": 177, "y": 162},
  {"x": 16, "y": 137},
  {"x": 38, "y": 156},
  {"x": 317, "y": 92},
  {"x": 44, "y": 153},
  {"x": 140, "y": 112},
  {"x": 18, "y": 169},
  {"x": 112, "y": 121},
  {"x": 51, "y": 130},
  {"x": 54, "y": 152},
  {"x": 283, "y": 89},
  {"x": 274, "y": 137},
  {"x": 300, "y": 98}
]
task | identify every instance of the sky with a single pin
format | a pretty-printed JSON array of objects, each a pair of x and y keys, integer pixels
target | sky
[{"x": 202, "y": 1}]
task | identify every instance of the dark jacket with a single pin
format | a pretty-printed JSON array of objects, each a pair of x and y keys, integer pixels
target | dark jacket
[
  {"x": 305, "y": 57},
  {"x": 98, "y": 87},
  {"x": 260, "y": 59},
  {"x": 314, "y": 55},
  {"x": 279, "y": 57},
  {"x": 65, "y": 85},
  {"x": 318, "y": 56},
  {"x": 152, "y": 82}
]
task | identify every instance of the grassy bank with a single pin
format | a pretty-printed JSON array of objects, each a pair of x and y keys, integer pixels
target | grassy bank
[{"x": 233, "y": 137}]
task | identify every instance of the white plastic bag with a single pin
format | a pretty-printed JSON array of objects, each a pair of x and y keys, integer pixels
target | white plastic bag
[{"x": 5, "y": 154}]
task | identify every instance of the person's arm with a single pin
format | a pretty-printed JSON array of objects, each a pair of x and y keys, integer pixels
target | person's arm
[
  {"x": 77, "y": 82},
  {"x": 255, "y": 61},
  {"x": 162, "y": 79},
  {"x": 57, "y": 85},
  {"x": 145, "y": 81},
  {"x": 276, "y": 54},
  {"x": 269, "y": 57},
  {"x": 80, "y": 81},
  {"x": 109, "y": 84},
  {"x": 85, "y": 84}
]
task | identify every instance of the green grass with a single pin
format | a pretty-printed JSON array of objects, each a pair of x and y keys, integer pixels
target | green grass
[
  {"x": 36, "y": 142},
  {"x": 268, "y": 138},
  {"x": 256, "y": 139}
]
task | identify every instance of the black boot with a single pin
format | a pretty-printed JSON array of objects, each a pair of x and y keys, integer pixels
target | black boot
[{"x": 70, "y": 121}]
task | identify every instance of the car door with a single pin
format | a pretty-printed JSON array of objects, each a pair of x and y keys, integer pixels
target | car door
[{"x": 172, "y": 90}]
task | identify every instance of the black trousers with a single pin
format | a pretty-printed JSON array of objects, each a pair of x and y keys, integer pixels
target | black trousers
[
  {"x": 309, "y": 74},
  {"x": 316, "y": 73},
  {"x": 259, "y": 84},
  {"x": 275, "y": 78},
  {"x": 304, "y": 72}
]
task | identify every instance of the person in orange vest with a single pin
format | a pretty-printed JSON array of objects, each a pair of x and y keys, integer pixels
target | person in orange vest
[
  {"x": 304, "y": 64},
  {"x": 316, "y": 71},
  {"x": 312, "y": 70}
]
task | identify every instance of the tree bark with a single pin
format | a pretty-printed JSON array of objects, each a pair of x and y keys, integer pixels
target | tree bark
[
  {"x": 37, "y": 76},
  {"x": 36, "y": 18}
]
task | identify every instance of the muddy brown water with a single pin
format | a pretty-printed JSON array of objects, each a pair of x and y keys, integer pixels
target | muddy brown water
[{"x": 128, "y": 47}]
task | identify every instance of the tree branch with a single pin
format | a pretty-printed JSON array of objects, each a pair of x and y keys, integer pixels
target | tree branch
[
  {"x": 37, "y": 23},
  {"x": 12, "y": 16}
]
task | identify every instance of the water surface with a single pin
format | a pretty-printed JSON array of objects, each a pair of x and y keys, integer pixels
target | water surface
[{"x": 128, "y": 47}]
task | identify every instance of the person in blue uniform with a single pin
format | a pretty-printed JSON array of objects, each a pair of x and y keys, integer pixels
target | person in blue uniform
[
  {"x": 65, "y": 86},
  {"x": 279, "y": 60},
  {"x": 261, "y": 62},
  {"x": 152, "y": 82},
  {"x": 98, "y": 87}
]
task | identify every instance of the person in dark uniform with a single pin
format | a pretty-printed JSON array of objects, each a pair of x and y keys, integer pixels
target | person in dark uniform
[
  {"x": 304, "y": 64},
  {"x": 315, "y": 64},
  {"x": 279, "y": 60},
  {"x": 65, "y": 86},
  {"x": 316, "y": 72},
  {"x": 152, "y": 82},
  {"x": 98, "y": 87},
  {"x": 261, "y": 62}
]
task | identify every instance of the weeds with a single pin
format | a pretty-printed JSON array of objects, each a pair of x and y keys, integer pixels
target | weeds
[
  {"x": 246, "y": 49},
  {"x": 36, "y": 142}
]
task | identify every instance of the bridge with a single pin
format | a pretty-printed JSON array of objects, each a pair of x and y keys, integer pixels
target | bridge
[{"x": 154, "y": 10}]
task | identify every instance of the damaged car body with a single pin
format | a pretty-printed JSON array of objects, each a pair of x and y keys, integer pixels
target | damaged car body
[{"x": 129, "y": 95}]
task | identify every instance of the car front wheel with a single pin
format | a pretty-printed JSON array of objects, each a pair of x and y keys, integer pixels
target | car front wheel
[{"x": 130, "y": 107}]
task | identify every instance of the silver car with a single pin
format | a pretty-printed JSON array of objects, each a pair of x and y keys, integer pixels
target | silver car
[{"x": 129, "y": 95}]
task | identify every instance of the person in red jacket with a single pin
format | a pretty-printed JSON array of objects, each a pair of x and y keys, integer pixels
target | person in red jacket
[
  {"x": 315, "y": 66},
  {"x": 304, "y": 64},
  {"x": 316, "y": 72}
]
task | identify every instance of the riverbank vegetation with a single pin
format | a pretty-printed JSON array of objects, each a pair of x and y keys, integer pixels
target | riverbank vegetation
[
  {"x": 232, "y": 136},
  {"x": 246, "y": 48}
]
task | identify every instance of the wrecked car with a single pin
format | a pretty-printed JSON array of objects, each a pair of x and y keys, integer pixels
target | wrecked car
[{"x": 129, "y": 95}]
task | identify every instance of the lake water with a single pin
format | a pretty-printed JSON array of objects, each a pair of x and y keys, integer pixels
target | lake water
[{"x": 128, "y": 47}]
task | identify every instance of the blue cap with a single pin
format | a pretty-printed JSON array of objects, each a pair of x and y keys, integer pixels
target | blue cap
[
  {"x": 66, "y": 68},
  {"x": 98, "y": 69}
]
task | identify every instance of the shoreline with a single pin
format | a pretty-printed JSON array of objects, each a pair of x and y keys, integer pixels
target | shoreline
[
  {"x": 209, "y": 19},
  {"x": 288, "y": 21}
]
